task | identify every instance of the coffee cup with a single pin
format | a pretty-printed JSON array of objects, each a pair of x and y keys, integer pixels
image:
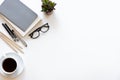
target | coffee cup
[{"x": 11, "y": 65}]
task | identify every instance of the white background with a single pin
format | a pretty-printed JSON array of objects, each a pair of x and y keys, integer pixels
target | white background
[{"x": 83, "y": 42}]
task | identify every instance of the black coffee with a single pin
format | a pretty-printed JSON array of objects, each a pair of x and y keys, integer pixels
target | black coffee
[{"x": 9, "y": 65}]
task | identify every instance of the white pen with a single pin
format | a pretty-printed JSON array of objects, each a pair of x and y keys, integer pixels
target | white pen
[{"x": 22, "y": 41}]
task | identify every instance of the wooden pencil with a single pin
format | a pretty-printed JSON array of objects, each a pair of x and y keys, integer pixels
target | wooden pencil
[{"x": 11, "y": 42}]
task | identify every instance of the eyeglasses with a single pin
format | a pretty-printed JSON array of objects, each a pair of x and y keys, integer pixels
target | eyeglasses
[{"x": 36, "y": 33}]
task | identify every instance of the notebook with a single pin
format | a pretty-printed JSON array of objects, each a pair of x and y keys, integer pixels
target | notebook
[{"x": 20, "y": 16}]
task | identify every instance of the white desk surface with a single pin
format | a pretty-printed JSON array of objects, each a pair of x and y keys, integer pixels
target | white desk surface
[{"x": 83, "y": 42}]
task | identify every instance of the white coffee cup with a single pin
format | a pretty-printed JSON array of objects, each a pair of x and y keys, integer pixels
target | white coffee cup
[{"x": 11, "y": 65}]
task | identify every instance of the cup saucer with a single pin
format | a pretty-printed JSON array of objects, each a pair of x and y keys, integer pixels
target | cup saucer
[{"x": 19, "y": 61}]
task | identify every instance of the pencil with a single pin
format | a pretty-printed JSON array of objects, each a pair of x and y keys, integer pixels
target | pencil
[{"x": 11, "y": 42}]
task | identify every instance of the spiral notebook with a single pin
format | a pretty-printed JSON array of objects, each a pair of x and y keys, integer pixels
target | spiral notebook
[{"x": 20, "y": 16}]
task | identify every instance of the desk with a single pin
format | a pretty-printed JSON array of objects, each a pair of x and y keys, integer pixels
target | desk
[{"x": 83, "y": 42}]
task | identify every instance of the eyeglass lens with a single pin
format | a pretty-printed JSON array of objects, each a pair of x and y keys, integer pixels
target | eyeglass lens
[
  {"x": 45, "y": 28},
  {"x": 35, "y": 35}
]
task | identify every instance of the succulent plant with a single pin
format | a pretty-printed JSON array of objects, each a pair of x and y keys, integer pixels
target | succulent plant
[{"x": 48, "y": 6}]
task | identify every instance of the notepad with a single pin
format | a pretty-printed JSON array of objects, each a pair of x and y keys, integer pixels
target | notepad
[{"x": 19, "y": 14}]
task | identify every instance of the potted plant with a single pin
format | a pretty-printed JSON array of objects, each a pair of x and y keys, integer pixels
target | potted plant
[{"x": 48, "y": 6}]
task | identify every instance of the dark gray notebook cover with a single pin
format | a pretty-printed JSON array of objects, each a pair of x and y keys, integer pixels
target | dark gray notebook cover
[{"x": 18, "y": 13}]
